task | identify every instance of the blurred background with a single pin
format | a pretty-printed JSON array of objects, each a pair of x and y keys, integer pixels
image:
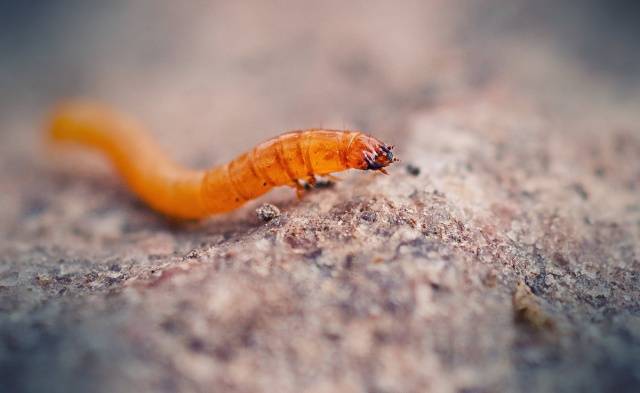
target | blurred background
[{"x": 228, "y": 74}]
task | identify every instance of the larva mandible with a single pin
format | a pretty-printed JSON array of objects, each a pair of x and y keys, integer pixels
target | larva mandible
[{"x": 184, "y": 193}]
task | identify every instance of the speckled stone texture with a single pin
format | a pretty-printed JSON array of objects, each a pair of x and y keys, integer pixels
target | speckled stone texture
[{"x": 505, "y": 258}]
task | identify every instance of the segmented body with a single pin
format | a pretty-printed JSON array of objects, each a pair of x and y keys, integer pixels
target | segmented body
[{"x": 185, "y": 193}]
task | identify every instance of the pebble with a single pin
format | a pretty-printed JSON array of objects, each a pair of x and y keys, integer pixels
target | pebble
[
  {"x": 267, "y": 212},
  {"x": 413, "y": 170}
]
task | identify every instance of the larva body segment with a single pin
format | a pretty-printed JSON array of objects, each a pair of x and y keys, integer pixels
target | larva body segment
[
  {"x": 184, "y": 193},
  {"x": 280, "y": 161}
]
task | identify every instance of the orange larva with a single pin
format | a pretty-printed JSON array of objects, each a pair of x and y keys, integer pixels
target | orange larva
[{"x": 184, "y": 193}]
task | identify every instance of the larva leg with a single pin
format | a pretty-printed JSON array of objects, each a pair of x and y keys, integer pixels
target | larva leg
[
  {"x": 332, "y": 177},
  {"x": 300, "y": 189},
  {"x": 311, "y": 180}
]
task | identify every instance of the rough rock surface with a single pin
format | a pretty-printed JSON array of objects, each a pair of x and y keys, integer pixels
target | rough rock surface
[{"x": 508, "y": 261}]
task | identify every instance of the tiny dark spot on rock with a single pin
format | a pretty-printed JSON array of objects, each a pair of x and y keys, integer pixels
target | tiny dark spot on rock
[
  {"x": 90, "y": 277},
  {"x": 380, "y": 336},
  {"x": 369, "y": 216},
  {"x": 331, "y": 336},
  {"x": 413, "y": 170},
  {"x": 247, "y": 337},
  {"x": 536, "y": 283},
  {"x": 490, "y": 279},
  {"x": 560, "y": 259},
  {"x": 170, "y": 326},
  {"x": 438, "y": 193},
  {"x": 580, "y": 190},
  {"x": 313, "y": 253},
  {"x": 267, "y": 212},
  {"x": 196, "y": 344},
  {"x": 63, "y": 280},
  {"x": 115, "y": 267},
  {"x": 348, "y": 262},
  {"x": 223, "y": 353},
  {"x": 599, "y": 301},
  {"x": 109, "y": 281}
]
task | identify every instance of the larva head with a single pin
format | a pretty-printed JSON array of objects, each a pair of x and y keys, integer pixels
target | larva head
[{"x": 368, "y": 153}]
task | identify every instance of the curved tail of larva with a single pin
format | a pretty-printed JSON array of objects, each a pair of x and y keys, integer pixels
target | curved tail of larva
[{"x": 147, "y": 170}]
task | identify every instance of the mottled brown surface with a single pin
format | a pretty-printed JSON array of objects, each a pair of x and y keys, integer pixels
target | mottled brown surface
[{"x": 524, "y": 179}]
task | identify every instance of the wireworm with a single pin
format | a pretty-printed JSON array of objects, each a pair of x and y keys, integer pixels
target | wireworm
[{"x": 286, "y": 160}]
